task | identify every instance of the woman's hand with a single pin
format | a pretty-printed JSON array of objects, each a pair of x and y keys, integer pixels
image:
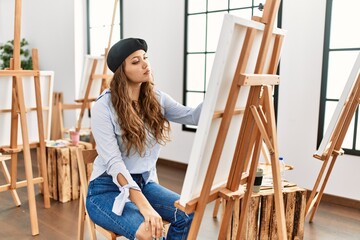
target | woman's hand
[{"x": 153, "y": 221}]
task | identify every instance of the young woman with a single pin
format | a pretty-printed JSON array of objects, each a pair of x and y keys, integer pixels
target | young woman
[{"x": 130, "y": 121}]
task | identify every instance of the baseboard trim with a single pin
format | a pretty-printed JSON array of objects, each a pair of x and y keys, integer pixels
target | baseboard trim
[
  {"x": 342, "y": 201},
  {"x": 328, "y": 198},
  {"x": 170, "y": 163}
]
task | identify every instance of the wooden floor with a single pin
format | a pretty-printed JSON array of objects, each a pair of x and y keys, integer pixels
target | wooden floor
[{"x": 60, "y": 221}]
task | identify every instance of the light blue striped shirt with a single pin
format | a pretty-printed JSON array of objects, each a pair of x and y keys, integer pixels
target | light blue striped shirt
[{"x": 112, "y": 157}]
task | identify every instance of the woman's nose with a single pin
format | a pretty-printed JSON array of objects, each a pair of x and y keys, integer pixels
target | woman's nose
[{"x": 145, "y": 64}]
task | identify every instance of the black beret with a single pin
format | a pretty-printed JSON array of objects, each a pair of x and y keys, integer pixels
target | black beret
[{"x": 122, "y": 49}]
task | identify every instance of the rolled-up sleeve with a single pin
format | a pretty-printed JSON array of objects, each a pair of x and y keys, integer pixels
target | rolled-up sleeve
[{"x": 107, "y": 145}]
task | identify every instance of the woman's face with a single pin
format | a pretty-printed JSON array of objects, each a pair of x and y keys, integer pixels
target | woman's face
[{"x": 137, "y": 67}]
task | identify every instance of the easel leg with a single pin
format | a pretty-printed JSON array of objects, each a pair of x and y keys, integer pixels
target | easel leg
[
  {"x": 43, "y": 173},
  {"x": 247, "y": 197},
  {"x": 60, "y": 113},
  {"x": 264, "y": 151},
  {"x": 275, "y": 167},
  {"x": 313, "y": 203},
  {"x": 195, "y": 225},
  {"x": 86, "y": 97},
  {"x": 81, "y": 219},
  {"x": 278, "y": 198},
  {"x": 42, "y": 154},
  {"x": 312, "y": 198},
  {"x": 27, "y": 159},
  {"x": 5, "y": 170},
  {"x": 55, "y": 128},
  {"x": 216, "y": 207},
  {"x": 268, "y": 134},
  {"x": 14, "y": 135},
  {"x": 225, "y": 220}
]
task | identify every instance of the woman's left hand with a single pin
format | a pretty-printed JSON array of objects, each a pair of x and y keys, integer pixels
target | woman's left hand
[{"x": 153, "y": 222}]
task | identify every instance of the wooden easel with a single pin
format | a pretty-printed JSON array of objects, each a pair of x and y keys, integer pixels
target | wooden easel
[
  {"x": 333, "y": 149},
  {"x": 258, "y": 125},
  {"x": 104, "y": 76},
  {"x": 18, "y": 111},
  {"x": 57, "y": 131},
  {"x": 85, "y": 102}
]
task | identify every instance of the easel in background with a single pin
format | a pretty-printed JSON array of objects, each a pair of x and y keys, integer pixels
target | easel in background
[
  {"x": 258, "y": 125},
  {"x": 351, "y": 99},
  {"x": 85, "y": 102},
  {"x": 57, "y": 131},
  {"x": 18, "y": 111}
]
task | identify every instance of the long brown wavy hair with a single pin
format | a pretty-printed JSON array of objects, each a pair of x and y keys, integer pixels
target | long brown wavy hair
[{"x": 136, "y": 117}]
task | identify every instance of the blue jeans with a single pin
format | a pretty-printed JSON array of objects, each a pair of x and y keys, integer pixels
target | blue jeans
[{"x": 101, "y": 195}]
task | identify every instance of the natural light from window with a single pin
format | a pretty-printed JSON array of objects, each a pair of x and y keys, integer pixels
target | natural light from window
[{"x": 100, "y": 17}]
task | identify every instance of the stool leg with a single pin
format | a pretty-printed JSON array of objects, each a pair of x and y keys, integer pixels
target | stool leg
[{"x": 81, "y": 219}]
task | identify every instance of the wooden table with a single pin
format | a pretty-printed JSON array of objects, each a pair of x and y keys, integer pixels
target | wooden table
[
  {"x": 63, "y": 175},
  {"x": 261, "y": 222}
]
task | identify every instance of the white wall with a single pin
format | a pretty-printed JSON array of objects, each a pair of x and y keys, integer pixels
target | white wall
[
  {"x": 299, "y": 99},
  {"x": 299, "y": 89},
  {"x": 161, "y": 24},
  {"x": 49, "y": 26}
]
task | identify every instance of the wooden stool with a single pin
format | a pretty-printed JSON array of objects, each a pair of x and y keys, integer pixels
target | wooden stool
[{"x": 85, "y": 159}]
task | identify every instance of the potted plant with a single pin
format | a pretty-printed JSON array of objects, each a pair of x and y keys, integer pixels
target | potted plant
[{"x": 6, "y": 53}]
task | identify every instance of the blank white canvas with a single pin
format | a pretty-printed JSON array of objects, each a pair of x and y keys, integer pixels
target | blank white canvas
[
  {"x": 46, "y": 87},
  {"x": 228, "y": 50},
  {"x": 326, "y": 141}
]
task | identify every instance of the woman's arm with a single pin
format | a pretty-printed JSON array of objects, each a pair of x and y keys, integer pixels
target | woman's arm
[
  {"x": 153, "y": 220},
  {"x": 106, "y": 134},
  {"x": 179, "y": 113}
]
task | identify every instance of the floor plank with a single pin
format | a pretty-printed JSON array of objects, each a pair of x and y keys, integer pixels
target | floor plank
[{"x": 60, "y": 221}]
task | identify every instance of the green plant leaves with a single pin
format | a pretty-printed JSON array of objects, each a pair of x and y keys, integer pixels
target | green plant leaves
[{"x": 6, "y": 53}]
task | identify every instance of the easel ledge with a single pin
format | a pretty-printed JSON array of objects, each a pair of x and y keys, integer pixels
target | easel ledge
[
  {"x": 20, "y": 73},
  {"x": 219, "y": 192},
  {"x": 19, "y": 148}
]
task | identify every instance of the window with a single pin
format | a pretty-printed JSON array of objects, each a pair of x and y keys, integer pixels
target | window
[
  {"x": 341, "y": 47},
  {"x": 100, "y": 14},
  {"x": 203, "y": 21}
]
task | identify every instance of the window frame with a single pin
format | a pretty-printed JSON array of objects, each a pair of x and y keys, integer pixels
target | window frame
[
  {"x": 119, "y": 6},
  {"x": 324, "y": 84},
  {"x": 186, "y": 53}
]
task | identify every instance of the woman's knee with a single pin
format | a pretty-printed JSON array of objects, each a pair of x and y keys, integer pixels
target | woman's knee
[
  {"x": 183, "y": 219},
  {"x": 143, "y": 233}
]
